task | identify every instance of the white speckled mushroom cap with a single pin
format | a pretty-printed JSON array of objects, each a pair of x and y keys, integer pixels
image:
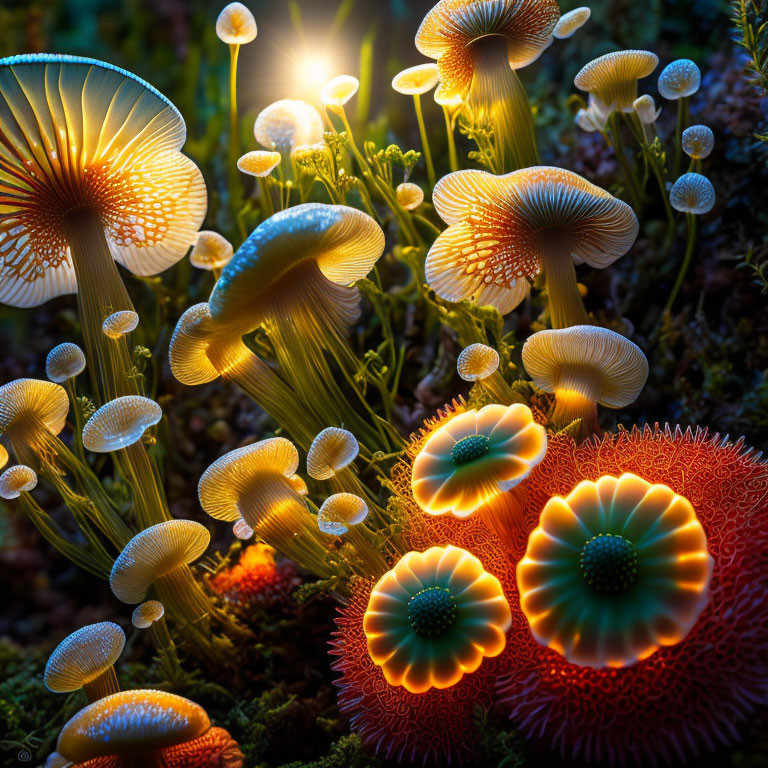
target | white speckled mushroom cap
[
  {"x": 571, "y": 22},
  {"x": 64, "y": 362},
  {"x": 678, "y": 79},
  {"x": 692, "y": 193},
  {"x": 612, "y": 78},
  {"x": 120, "y": 423},
  {"x": 698, "y": 141}
]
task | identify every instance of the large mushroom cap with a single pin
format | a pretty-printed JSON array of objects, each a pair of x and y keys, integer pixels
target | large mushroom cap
[
  {"x": 236, "y": 25},
  {"x": 83, "y": 656},
  {"x": 64, "y": 362},
  {"x": 612, "y": 78},
  {"x": 615, "y": 367},
  {"x": 453, "y": 25},
  {"x": 287, "y": 125},
  {"x": 225, "y": 482},
  {"x": 332, "y": 450},
  {"x": 32, "y": 400},
  {"x": 153, "y": 553},
  {"x": 344, "y": 243},
  {"x": 131, "y": 722},
  {"x": 17, "y": 480},
  {"x": 498, "y": 225},
  {"x": 692, "y": 193},
  {"x": 120, "y": 423},
  {"x": 417, "y": 80},
  {"x": 81, "y": 133}
]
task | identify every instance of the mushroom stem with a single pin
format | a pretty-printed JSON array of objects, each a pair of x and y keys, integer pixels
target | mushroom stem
[
  {"x": 565, "y": 305},
  {"x": 504, "y": 515},
  {"x": 497, "y": 95},
  {"x": 424, "y": 140},
  {"x": 690, "y": 247},
  {"x": 682, "y": 124},
  {"x": 496, "y": 386},
  {"x": 101, "y": 292},
  {"x": 453, "y": 157},
  {"x": 104, "y": 685},
  {"x": 576, "y": 394}
]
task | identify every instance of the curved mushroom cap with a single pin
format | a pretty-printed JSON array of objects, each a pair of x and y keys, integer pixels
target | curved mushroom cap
[
  {"x": 498, "y": 225},
  {"x": 131, "y": 722},
  {"x": 615, "y": 368},
  {"x": 83, "y": 656},
  {"x": 236, "y": 25},
  {"x": 147, "y": 614},
  {"x": 31, "y": 400},
  {"x": 64, "y": 362},
  {"x": 477, "y": 362},
  {"x": 571, "y": 22},
  {"x": 120, "y": 423},
  {"x": 692, "y": 193},
  {"x": 332, "y": 450},
  {"x": 341, "y": 511},
  {"x": 612, "y": 78},
  {"x": 698, "y": 141},
  {"x": 679, "y": 79},
  {"x": 211, "y": 251},
  {"x": 449, "y": 29},
  {"x": 17, "y": 480},
  {"x": 417, "y": 80},
  {"x": 410, "y": 196},
  {"x": 3, "y": 456},
  {"x": 79, "y": 132},
  {"x": 226, "y": 481},
  {"x": 242, "y": 530},
  {"x": 120, "y": 324},
  {"x": 153, "y": 553},
  {"x": 288, "y": 124},
  {"x": 645, "y": 109},
  {"x": 259, "y": 163},
  {"x": 337, "y": 92},
  {"x": 591, "y": 119},
  {"x": 344, "y": 243}
]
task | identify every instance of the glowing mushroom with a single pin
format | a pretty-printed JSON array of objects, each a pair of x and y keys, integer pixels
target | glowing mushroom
[
  {"x": 692, "y": 193},
  {"x": 331, "y": 451},
  {"x": 584, "y": 366},
  {"x": 410, "y": 196},
  {"x": 612, "y": 79},
  {"x": 698, "y": 141},
  {"x": 614, "y": 571},
  {"x": 287, "y": 125},
  {"x": 255, "y": 483},
  {"x": 569, "y": 23},
  {"x": 337, "y": 92},
  {"x": 236, "y": 25},
  {"x": 120, "y": 324},
  {"x": 679, "y": 80},
  {"x": 504, "y": 230},
  {"x": 17, "y": 480},
  {"x": 259, "y": 163},
  {"x": 146, "y": 614},
  {"x": 478, "y": 47},
  {"x": 211, "y": 252},
  {"x": 146, "y": 729},
  {"x": 90, "y": 173},
  {"x": 64, "y": 362},
  {"x": 86, "y": 659},
  {"x": 479, "y": 363}
]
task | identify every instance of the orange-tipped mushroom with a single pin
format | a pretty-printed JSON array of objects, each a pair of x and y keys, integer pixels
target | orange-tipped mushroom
[
  {"x": 86, "y": 659},
  {"x": 504, "y": 230},
  {"x": 146, "y": 729},
  {"x": 478, "y": 46},
  {"x": 211, "y": 252},
  {"x": 90, "y": 173},
  {"x": 584, "y": 366}
]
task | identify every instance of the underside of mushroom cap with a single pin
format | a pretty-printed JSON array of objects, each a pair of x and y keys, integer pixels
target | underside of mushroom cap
[
  {"x": 120, "y": 423},
  {"x": 416, "y": 80},
  {"x": 571, "y": 22},
  {"x": 147, "y": 614},
  {"x": 153, "y": 553},
  {"x": 131, "y": 722},
  {"x": 343, "y": 242},
  {"x": 83, "y": 656},
  {"x": 332, "y": 450},
  {"x": 612, "y": 78},
  {"x": 224, "y": 484},
  {"x": 79, "y": 133},
  {"x": 64, "y": 362},
  {"x": 31, "y": 401},
  {"x": 612, "y": 363},
  {"x": 120, "y": 324},
  {"x": 17, "y": 480}
]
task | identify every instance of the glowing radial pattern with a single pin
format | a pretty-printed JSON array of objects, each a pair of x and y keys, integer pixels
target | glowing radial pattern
[
  {"x": 476, "y": 456},
  {"x": 499, "y": 226},
  {"x": 434, "y": 618},
  {"x": 79, "y": 133},
  {"x": 692, "y": 193},
  {"x": 614, "y": 571}
]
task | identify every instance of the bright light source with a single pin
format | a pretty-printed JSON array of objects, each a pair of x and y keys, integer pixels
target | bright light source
[{"x": 314, "y": 70}]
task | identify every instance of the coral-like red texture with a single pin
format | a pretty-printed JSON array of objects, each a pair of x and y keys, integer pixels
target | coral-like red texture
[
  {"x": 684, "y": 699},
  {"x": 257, "y": 581}
]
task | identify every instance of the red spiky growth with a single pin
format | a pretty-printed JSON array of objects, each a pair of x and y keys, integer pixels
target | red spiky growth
[
  {"x": 257, "y": 581},
  {"x": 436, "y": 726},
  {"x": 684, "y": 699}
]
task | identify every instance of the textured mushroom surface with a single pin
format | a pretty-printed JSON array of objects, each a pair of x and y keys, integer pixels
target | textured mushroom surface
[
  {"x": 287, "y": 125},
  {"x": 64, "y": 362},
  {"x": 679, "y": 79},
  {"x": 146, "y": 614},
  {"x": 477, "y": 362},
  {"x": 259, "y": 163},
  {"x": 211, "y": 250},
  {"x": 17, "y": 480},
  {"x": 332, "y": 450},
  {"x": 645, "y": 108},
  {"x": 337, "y": 92},
  {"x": 153, "y": 553},
  {"x": 82, "y": 132},
  {"x": 3, "y": 456},
  {"x": 417, "y": 80},
  {"x": 83, "y": 656},
  {"x": 120, "y": 324},
  {"x": 692, "y": 193},
  {"x": 571, "y": 22},
  {"x": 341, "y": 511},
  {"x": 235, "y": 25},
  {"x": 27, "y": 403},
  {"x": 698, "y": 141},
  {"x": 410, "y": 196},
  {"x": 120, "y": 423}
]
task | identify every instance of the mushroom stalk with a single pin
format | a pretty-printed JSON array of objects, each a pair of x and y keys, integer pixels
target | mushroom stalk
[
  {"x": 166, "y": 649},
  {"x": 424, "y": 140},
  {"x": 690, "y": 247},
  {"x": 101, "y": 292},
  {"x": 453, "y": 157},
  {"x": 565, "y": 305},
  {"x": 104, "y": 685},
  {"x": 576, "y": 394},
  {"x": 504, "y": 514},
  {"x": 149, "y": 502},
  {"x": 497, "y": 95}
]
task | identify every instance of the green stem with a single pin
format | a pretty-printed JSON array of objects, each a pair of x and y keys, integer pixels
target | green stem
[
  {"x": 425, "y": 141},
  {"x": 618, "y": 145},
  {"x": 689, "y": 249},
  {"x": 682, "y": 124},
  {"x": 453, "y": 157}
]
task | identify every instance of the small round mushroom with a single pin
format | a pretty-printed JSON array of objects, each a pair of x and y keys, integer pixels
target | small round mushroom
[
  {"x": 259, "y": 163},
  {"x": 647, "y": 114},
  {"x": 236, "y": 25},
  {"x": 331, "y": 451},
  {"x": 211, "y": 251},
  {"x": 340, "y": 512},
  {"x": 416, "y": 80},
  {"x": 146, "y": 729},
  {"x": 120, "y": 423},
  {"x": 612, "y": 79},
  {"x": 288, "y": 124},
  {"x": 242, "y": 530},
  {"x": 120, "y": 324},
  {"x": 337, "y": 92},
  {"x": 692, "y": 193},
  {"x": 86, "y": 659},
  {"x": 571, "y": 22},
  {"x": 698, "y": 141},
  {"x": 583, "y": 366},
  {"x": 64, "y": 362},
  {"x": 146, "y": 614},
  {"x": 410, "y": 196},
  {"x": 17, "y": 480},
  {"x": 679, "y": 79},
  {"x": 55, "y": 760},
  {"x": 477, "y": 362}
]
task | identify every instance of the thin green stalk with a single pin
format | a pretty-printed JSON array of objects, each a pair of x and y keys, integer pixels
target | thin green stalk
[
  {"x": 235, "y": 190},
  {"x": 689, "y": 249},
  {"x": 629, "y": 176},
  {"x": 453, "y": 157},
  {"x": 71, "y": 388},
  {"x": 682, "y": 124},
  {"x": 267, "y": 203},
  {"x": 425, "y": 141}
]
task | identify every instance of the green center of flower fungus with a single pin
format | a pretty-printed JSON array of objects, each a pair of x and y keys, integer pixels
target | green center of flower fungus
[
  {"x": 470, "y": 448},
  {"x": 432, "y": 612},
  {"x": 609, "y": 563}
]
